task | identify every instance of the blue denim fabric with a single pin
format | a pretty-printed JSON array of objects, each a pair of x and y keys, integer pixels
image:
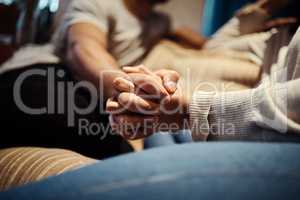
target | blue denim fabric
[
  {"x": 193, "y": 171},
  {"x": 159, "y": 140},
  {"x": 166, "y": 139},
  {"x": 259, "y": 136},
  {"x": 184, "y": 136}
]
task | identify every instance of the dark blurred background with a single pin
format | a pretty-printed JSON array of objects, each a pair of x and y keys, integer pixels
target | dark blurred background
[{"x": 27, "y": 21}]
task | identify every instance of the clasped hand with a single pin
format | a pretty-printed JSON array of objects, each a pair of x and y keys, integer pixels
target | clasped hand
[{"x": 145, "y": 100}]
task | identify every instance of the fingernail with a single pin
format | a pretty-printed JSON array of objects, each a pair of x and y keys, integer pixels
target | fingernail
[
  {"x": 171, "y": 86},
  {"x": 124, "y": 85},
  {"x": 126, "y": 68},
  {"x": 145, "y": 105},
  {"x": 164, "y": 91},
  {"x": 113, "y": 105}
]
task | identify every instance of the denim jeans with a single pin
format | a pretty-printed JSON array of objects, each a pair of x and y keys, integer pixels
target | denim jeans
[
  {"x": 191, "y": 171},
  {"x": 167, "y": 139},
  {"x": 184, "y": 136}
]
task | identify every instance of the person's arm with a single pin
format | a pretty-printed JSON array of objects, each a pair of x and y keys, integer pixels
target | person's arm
[
  {"x": 187, "y": 37},
  {"x": 81, "y": 42},
  {"x": 89, "y": 59},
  {"x": 225, "y": 115},
  {"x": 229, "y": 114},
  {"x": 273, "y": 105}
]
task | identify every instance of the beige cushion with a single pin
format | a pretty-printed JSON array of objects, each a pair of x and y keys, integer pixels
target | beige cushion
[
  {"x": 222, "y": 69},
  {"x": 19, "y": 166}
]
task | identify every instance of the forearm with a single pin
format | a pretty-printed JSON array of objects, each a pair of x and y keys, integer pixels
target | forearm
[
  {"x": 89, "y": 59},
  {"x": 188, "y": 37},
  {"x": 175, "y": 113},
  {"x": 174, "y": 117},
  {"x": 93, "y": 63}
]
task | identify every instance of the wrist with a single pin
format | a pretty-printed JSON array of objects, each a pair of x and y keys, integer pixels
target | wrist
[
  {"x": 175, "y": 115},
  {"x": 106, "y": 82}
]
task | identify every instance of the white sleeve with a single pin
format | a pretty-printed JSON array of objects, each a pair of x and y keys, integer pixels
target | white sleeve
[
  {"x": 274, "y": 105},
  {"x": 231, "y": 114},
  {"x": 81, "y": 11},
  {"x": 89, "y": 11}
]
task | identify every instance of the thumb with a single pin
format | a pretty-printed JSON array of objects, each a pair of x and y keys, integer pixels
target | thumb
[{"x": 170, "y": 79}]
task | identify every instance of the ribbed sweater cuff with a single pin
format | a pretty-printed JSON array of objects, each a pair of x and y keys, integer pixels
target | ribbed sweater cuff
[
  {"x": 223, "y": 114},
  {"x": 233, "y": 113},
  {"x": 199, "y": 110}
]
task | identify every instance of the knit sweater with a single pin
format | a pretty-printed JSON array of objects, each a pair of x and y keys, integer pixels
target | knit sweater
[{"x": 272, "y": 105}]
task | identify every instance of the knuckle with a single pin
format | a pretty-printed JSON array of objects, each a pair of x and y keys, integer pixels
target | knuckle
[
  {"x": 174, "y": 73},
  {"x": 123, "y": 98},
  {"x": 142, "y": 68}
]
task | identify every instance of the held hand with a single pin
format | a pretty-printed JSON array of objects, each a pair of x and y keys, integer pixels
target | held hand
[
  {"x": 169, "y": 78},
  {"x": 144, "y": 91},
  {"x": 140, "y": 100},
  {"x": 171, "y": 116}
]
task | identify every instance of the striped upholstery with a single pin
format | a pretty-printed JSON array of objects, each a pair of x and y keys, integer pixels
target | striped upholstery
[{"x": 19, "y": 166}]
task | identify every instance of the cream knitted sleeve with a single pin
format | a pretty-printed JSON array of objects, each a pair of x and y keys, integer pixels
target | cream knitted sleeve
[
  {"x": 274, "y": 105},
  {"x": 270, "y": 106}
]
